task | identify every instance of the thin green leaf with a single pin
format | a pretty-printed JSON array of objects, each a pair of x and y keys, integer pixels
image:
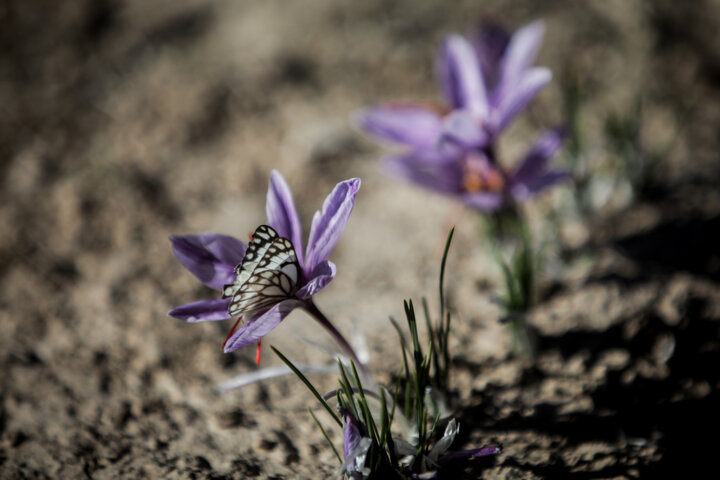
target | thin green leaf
[
  {"x": 432, "y": 332},
  {"x": 307, "y": 384},
  {"x": 327, "y": 437},
  {"x": 388, "y": 434},
  {"x": 419, "y": 405},
  {"x": 446, "y": 352},
  {"x": 403, "y": 345},
  {"x": 434, "y": 426},
  {"x": 348, "y": 390},
  {"x": 361, "y": 391},
  {"x": 408, "y": 399},
  {"x": 442, "y": 272},
  {"x": 412, "y": 324},
  {"x": 384, "y": 418},
  {"x": 422, "y": 444}
]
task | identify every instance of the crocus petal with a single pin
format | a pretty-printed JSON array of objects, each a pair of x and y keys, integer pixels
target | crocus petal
[
  {"x": 328, "y": 224},
  {"x": 354, "y": 463},
  {"x": 536, "y": 160},
  {"x": 451, "y": 431},
  {"x": 425, "y": 475},
  {"x": 467, "y": 454},
  {"x": 202, "y": 310},
  {"x": 351, "y": 436},
  {"x": 281, "y": 212},
  {"x": 465, "y": 128},
  {"x": 210, "y": 257},
  {"x": 522, "y": 191},
  {"x": 227, "y": 249},
  {"x": 461, "y": 76},
  {"x": 490, "y": 44},
  {"x": 427, "y": 168},
  {"x": 407, "y": 124},
  {"x": 519, "y": 55},
  {"x": 271, "y": 372},
  {"x": 260, "y": 325},
  {"x": 485, "y": 202},
  {"x": 520, "y": 95},
  {"x": 321, "y": 275},
  {"x": 403, "y": 448}
]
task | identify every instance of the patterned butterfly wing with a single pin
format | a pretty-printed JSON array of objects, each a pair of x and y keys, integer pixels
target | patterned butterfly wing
[
  {"x": 262, "y": 239},
  {"x": 268, "y": 274}
]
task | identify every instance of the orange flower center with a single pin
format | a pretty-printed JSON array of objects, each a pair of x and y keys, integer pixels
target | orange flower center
[{"x": 480, "y": 176}]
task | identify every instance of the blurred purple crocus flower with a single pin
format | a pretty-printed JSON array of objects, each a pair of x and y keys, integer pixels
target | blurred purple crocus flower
[
  {"x": 487, "y": 81},
  {"x": 473, "y": 177},
  {"x": 212, "y": 258}
]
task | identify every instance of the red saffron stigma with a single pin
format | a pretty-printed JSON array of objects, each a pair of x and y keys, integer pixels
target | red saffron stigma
[
  {"x": 257, "y": 355},
  {"x": 232, "y": 331}
]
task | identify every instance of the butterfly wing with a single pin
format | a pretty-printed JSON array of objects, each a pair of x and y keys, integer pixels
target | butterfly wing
[
  {"x": 268, "y": 274},
  {"x": 262, "y": 239}
]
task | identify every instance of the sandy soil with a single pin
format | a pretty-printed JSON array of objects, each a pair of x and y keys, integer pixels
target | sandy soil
[{"x": 122, "y": 123}]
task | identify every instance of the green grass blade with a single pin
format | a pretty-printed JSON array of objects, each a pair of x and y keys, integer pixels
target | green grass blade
[
  {"x": 412, "y": 325},
  {"x": 327, "y": 437},
  {"x": 442, "y": 272},
  {"x": 435, "y": 344},
  {"x": 307, "y": 384},
  {"x": 403, "y": 345},
  {"x": 347, "y": 388}
]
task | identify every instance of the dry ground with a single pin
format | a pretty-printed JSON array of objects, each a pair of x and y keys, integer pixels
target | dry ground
[{"x": 122, "y": 123}]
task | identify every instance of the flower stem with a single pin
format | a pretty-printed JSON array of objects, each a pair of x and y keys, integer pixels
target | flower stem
[{"x": 312, "y": 309}]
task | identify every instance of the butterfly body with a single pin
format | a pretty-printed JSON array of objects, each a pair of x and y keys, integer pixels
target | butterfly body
[{"x": 269, "y": 273}]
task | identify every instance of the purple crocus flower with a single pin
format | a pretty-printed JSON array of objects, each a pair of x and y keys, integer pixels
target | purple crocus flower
[
  {"x": 438, "y": 455},
  {"x": 471, "y": 176},
  {"x": 355, "y": 447},
  {"x": 212, "y": 258},
  {"x": 486, "y": 83}
]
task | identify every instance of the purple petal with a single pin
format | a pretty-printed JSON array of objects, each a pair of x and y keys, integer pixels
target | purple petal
[
  {"x": 441, "y": 446},
  {"x": 281, "y": 212},
  {"x": 321, "y": 275},
  {"x": 485, "y": 202},
  {"x": 490, "y": 44},
  {"x": 519, "y": 96},
  {"x": 227, "y": 249},
  {"x": 465, "y": 128},
  {"x": 328, "y": 224},
  {"x": 467, "y": 454},
  {"x": 407, "y": 124},
  {"x": 519, "y": 56},
  {"x": 263, "y": 374},
  {"x": 536, "y": 160},
  {"x": 351, "y": 436},
  {"x": 522, "y": 191},
  {"x": 202, "y": 310},
  {"x": 428, "y": 168},
  {"x": 260, "y": 325},
  {"x": 425, "y": 475},
  {"x": 461, "y": 76},
  {"x": 210, "y": 257}
]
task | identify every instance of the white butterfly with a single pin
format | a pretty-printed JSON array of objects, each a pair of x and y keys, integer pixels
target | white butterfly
[{"x": 268, "y": 274}]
